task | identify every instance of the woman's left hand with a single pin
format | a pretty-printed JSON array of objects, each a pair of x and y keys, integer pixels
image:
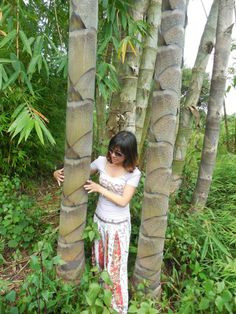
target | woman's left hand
[{"x": 91, "y": 186}]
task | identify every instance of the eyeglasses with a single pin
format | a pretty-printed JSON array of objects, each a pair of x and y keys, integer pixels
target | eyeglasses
[{"x": 116, "y": 153}]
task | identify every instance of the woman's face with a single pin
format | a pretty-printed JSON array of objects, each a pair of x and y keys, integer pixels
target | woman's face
[{"x": 117, "y": 157}]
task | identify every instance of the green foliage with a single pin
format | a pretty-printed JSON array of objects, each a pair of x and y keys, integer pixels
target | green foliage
[
  {"x": 91, "y": 232},
  {"x": 142, "y": 303},
  {"x": 43, "y": 291},
  {"x": 30, "y": 67},
  {"x": 117, "y": 31},
  {"x": 27, "y": 118},
  {"x": 227, "y": 142},
  {"x": 16, "y": 216},
  {"x": 200, "y": 251}
]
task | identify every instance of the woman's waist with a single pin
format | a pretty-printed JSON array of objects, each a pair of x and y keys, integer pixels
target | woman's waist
[
  {"x": 112, "y": 212},
  {"x": 110, "y": 219},
  {"x": 108, "y": 205}
]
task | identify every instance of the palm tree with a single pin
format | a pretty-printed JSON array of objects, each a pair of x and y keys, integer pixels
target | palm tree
[
  {"x": 217, "y": 90},
  {"x": 81, "y": 82}
]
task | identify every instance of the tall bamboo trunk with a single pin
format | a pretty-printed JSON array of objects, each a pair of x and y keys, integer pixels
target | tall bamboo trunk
[
  {"x": 165, "y": 105},
  {"x": 122, "y": 110},
  {"x": 147, "y": 65},
  {"x": 218, "y": 82},
  {"x": 79, "y": 121},
  {"x": 190, "y": 103},
  {"x": 101, "y": 123},
  {"x": 226, "y": 127}
]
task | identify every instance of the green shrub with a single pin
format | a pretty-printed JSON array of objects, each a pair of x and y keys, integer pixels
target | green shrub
[{"x": 19, "y": 224}]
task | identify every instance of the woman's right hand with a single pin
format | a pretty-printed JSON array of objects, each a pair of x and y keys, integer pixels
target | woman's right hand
[{"x": 59, "y": 175}]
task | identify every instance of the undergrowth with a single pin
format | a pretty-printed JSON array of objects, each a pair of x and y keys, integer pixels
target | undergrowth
[{"x": 198, "y": 273}]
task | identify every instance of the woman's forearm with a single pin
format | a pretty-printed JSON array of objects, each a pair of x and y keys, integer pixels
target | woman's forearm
[
  {"x": 115, "y": 198},
  {"x": 120, "y": 200}
]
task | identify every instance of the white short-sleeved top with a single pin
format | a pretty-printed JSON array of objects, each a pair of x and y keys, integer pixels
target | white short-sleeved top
[{"x": 105, "y": 208}]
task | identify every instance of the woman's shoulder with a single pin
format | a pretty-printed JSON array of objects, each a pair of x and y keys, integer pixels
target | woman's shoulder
[
  {"x": 137, "y": 171},
  {"x": 134, "y": 173},
  {"x": 101, "y": 160}
]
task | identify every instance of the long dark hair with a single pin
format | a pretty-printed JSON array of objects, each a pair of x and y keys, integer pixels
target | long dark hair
[{"x": 127, "y": 143}]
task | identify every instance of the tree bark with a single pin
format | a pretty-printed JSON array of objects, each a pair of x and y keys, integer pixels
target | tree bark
[
  {"x": 218, "y": 82},
  {"x": 79, "y": 122},
  {"x": 101, "y": 124},
  {"x": 147, "y": 65},
  {"x": 122, "y": 110},
  {"x": 165, "y": 105},
  {"x": 186, "y": 117},
  {"x": 226, "y": 127}
]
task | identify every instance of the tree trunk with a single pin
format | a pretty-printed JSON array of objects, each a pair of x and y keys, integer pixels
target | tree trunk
[
  {"x": 226, "y": 127},
  {"x": 101, "y": 124},
  {"x": 143, "y": 146},
  {"x": 146, "y": 70},
  {"x": 218, "y": 82},
  {"x": 165, "y": 105},
  {"x": 79, "y": 121},
  {"x": 122, "y": 110},
  {"x": 186, "y": 116}
]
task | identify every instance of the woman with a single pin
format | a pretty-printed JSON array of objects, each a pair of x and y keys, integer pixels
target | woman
[{"x": 118, "y": 179}]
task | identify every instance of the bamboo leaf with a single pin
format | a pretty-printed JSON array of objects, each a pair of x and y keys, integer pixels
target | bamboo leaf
[
  {"x": 22, "y": 134},
  {"x": 29, "y": 128},
  {"x": 16, "y": 64},
  {"x": 123, "y": 21},
  {"x": 132, "y": 47},
  {"x": 39, "y": 131},
  {"x": 116, "y": 43},
  {"x": 38, "y": 46},
  {"x": 32, "y": 65},
  {"x": 9, "y": 37},
  {"x": 22, "y": 122},
  {"x": 46, "y": 66},
  {"x": 25, "y": 42},
  {"x": 12, "y": 79},
  {"x": 3, "y": 60},
  {"x": 27, "y": 81},
  {"x": 48, "y": 134},
  {"x": 18, "y": 110},
  {"x": 122, "y": 50},
  {"x": 103, "y": 46},
  {"x": 40, "y": 63}
]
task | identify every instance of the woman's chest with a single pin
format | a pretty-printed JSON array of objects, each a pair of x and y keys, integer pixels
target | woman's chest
[{"x": 115, "y": 185}]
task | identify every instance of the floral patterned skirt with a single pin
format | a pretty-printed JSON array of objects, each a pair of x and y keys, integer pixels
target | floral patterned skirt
[{"x": 111, "y": 253}]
